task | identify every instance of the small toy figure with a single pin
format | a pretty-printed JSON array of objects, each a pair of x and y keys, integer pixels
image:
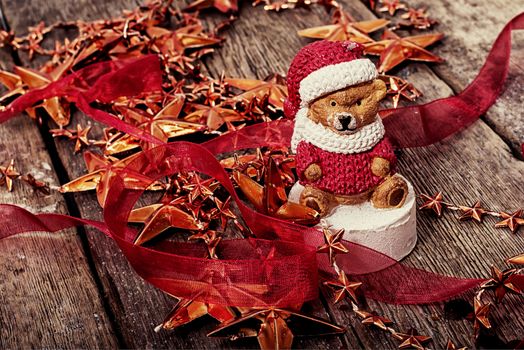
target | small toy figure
[
  {"x": 346, "y": 166},
  {"x": 342, "y": 155}
]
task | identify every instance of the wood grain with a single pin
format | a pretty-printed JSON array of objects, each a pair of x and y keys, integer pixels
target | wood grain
[
  {"x": 474, "y": 164},
  {"x": 45, "y": 279},
  {"x": 470, "y": 28}
]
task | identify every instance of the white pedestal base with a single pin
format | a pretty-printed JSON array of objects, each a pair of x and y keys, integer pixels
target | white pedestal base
[{"x": 390, "y": 231}]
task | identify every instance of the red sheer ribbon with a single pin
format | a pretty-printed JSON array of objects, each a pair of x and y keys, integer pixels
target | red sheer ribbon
[
  {"x": 280, "y": 266},
  {"x": 102, "y": 82},
  {"x": 425, "y": 124}
]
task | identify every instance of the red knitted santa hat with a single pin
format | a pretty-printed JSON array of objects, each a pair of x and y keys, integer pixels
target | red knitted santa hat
[{"x": 323, "y": 67}]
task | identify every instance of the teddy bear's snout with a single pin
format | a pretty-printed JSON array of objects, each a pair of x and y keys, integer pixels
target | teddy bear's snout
[{"x": 345, "y": 122}]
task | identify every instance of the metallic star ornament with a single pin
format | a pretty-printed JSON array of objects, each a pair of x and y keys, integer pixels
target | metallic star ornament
[
  {"x": 57, "y": 107},
  {"x": 517, "y": 260},
  {"x": 393, "y": 50},
  {"x": 273, "y": 86},
  {"x": 434, "y": 203},
  {"x": 224, "y": 6},
  {"x": 451, "y": 346},
  {"x": 398, "y": 88},
  {"x": 475, "y": 212},
  {"x": 374, "y": 320},
  {"x": 213, "y": 116},
  {"x": 102, "y": 170},
  {"x": 186, "y": 311},
  {"x": 481, "y": 316},
  {"x": 222, "y": 212},
  {"x": 211, "y": 238},
  {"x": 272, "y": 325},
  {"x": 271, "y": 199},
  {"x": 343, "y": 288},
  {"x": 416, "y": 18},
  {"x": 332, "y": 245},
  {"x": 344, "y": 28},
  {"x": 391, "y": 6},
  {"x": 80, "y": 135},
  {"x": 412, "y": 340},
  {"x": 160, "y": 217},
  {"x": 164, "y": 125},
  {"x": 501, "y": 283},
  {"x": 38, "y": 186},
  {"x": 255, "y": 165},
  {"x": 199, "y": 188},
  {"x": 8, "y": 174},
  {"x": 512, "y": 221}
]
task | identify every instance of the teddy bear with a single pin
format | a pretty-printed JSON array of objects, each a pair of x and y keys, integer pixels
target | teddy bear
[{"x": 342, "y": 154}]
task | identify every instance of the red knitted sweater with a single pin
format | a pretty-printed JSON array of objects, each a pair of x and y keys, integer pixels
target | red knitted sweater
[{"x": 343, "y": 174}]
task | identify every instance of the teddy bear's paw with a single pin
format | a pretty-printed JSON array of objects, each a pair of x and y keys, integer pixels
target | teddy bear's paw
[
  {"x": 317, "y": 200},
  {"x": 391, "y": 193}
]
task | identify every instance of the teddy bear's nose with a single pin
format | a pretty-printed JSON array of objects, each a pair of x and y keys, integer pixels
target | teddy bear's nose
[{"x": 345, "y": 121}]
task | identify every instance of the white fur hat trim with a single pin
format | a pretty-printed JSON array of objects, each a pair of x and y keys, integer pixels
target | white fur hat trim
[{"x": 335, "y": 77}]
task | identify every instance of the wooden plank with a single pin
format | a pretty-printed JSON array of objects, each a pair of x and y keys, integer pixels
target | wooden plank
[
  {"x": 48, "y": 297},
  {"x": 471, "y": 27},
  {"x": 473, "y": 164}
]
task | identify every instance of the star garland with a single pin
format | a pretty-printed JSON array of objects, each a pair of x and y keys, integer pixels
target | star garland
[
  {"x": 9, "y": 174},
  {"x": 344, "y": 289},
  {"x": 476, "y": 212}
]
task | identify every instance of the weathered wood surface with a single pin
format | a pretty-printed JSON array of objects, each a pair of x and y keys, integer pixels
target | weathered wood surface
[
  {"x": 475, "y": 164},
  {"x": 48, "y": 295},
  {"x": 470, "y": 28}
]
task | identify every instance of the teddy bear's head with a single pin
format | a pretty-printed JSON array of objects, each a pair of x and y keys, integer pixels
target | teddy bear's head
[{"x": 347, "y": 110}]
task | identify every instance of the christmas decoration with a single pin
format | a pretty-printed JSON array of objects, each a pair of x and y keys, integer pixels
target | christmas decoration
[
  {"x": 100, "y": 172},
  {"x": 79, "y": 135},
  {"x": 399, "y": 88},
  {"x": 475, "y": 212},
  {"x": 391, "y": 6},
  {"x": 394, "y": 49},
  {"x": 272, "y": 199},
  {"x": 344, "y": 28},
  {"x": 416, "y": 18},
  {"x": 336, "y": 123},
  {"x": 271, "y": 327},
  {"x": 144, "y": 83},
  {"x": 8, "y": 174},
  {"x": 38, "y": 186}
]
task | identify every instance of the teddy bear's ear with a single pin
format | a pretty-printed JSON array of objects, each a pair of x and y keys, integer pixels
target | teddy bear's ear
[{"x": 379, "y": 89}]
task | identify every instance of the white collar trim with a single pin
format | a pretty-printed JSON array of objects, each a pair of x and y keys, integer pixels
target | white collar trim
[{"x": 318, "y": 135}]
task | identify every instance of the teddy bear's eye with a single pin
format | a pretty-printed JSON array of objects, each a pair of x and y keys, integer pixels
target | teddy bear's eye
[
  {"x": 359, "y": 102},
  {"x": 333, "y": 103}
]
